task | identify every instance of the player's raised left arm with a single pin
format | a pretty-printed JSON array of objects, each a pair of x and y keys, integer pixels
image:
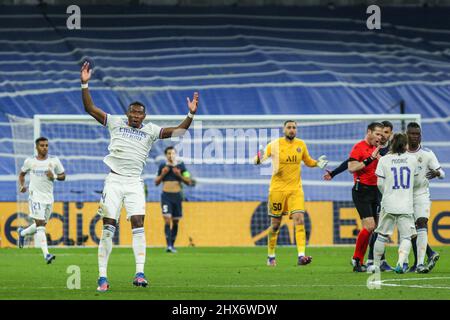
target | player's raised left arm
[{"x": 183, "y": 126}]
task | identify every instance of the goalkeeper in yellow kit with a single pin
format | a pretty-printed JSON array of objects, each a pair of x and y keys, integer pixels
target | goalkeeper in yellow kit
[{"x": 286, "y": 192}]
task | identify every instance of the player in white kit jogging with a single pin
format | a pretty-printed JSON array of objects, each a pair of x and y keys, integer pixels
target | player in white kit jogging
[
  {"x": 43, "y": 170},
  {"x": 396, "y": 174},
  {"x": 130, "y": 144},
  {"x": 429, "y": 168}
]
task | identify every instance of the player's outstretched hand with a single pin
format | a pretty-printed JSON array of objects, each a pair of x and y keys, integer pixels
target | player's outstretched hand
[
  {"x": 327, "y": 176},
  {"x": 322, "y": 162},
  {"x": 86, "y": 72},
  {"x": 193, "y": 104},
  {"x": 23, "y": 189}
]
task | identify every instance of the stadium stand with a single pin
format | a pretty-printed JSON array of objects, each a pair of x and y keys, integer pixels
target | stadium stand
[{"x": 255, "y": 61}]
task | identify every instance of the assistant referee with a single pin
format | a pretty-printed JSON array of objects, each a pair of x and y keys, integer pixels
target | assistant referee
[{"x": 362, "y": 163}]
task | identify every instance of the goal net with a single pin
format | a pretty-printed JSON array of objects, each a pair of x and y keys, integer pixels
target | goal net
[{"x": 227, "y": 206}]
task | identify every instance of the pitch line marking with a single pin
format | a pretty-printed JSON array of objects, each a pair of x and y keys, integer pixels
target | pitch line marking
[{"x": 384, "y": 283}]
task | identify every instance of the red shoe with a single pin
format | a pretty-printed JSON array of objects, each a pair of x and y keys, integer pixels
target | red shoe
[{"x": 304, "y": 260}]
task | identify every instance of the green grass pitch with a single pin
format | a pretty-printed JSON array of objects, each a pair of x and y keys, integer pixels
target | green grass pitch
[{"x": 214, "y": 273}]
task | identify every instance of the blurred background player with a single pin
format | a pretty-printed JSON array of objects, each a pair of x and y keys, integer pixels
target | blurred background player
[
  {"x": 362, "y": 163},
  {"x": 286, "y": 191},
  {"x": 172, "y": 174},
  {"x": 396, "y": 174},
  {"x": 130, "y": 145},
  {"x": 43, "y": 169},
  {"x": 429, "y": 168}
]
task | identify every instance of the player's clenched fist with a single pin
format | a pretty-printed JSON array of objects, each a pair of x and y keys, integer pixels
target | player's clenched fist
[{"x": 165, "y": 170}]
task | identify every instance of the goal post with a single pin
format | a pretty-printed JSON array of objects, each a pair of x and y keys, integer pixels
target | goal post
[{"x": 230, "y": 190}]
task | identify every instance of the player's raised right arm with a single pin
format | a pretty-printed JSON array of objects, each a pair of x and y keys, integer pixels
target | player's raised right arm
[{"x": 97, "y": 113}]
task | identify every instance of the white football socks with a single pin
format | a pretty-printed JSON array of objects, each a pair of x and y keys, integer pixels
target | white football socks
[
  {"x": 422, "y": 241},
  {"x": 139, "y": 248},
  {"x": 41, "y": 239},
  {"x": 403, "y": 251},
  {"x": 378, "y": 249},
  {"x": 28, "y": 231},
  {"x": 105, "y": 248}
]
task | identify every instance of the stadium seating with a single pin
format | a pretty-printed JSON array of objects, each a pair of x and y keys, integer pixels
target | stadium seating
[{"x": 257, "y": 61}]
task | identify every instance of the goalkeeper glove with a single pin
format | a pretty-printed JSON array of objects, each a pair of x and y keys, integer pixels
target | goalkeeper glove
[
  {"x": 322, "y": 162},
  {"x": 259, "y": 155}
]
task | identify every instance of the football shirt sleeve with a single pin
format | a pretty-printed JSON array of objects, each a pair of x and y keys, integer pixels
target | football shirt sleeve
[
  {"x": 355, "y": 154},
  {"x": 310, "y": 162},
  {"x": 59, "y": 168},
  {"x": 26, "y": 165}
]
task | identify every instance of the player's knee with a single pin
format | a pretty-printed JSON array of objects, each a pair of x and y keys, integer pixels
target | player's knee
[
  {"x": 275, "y": 227},
  {"x": 421, "y": 223},
  {"x": 137, "y": 221},
  {"x": 40, "y": 223},
  {"x": 108, "y": 231},
  {"x": 175, "y": 221}
]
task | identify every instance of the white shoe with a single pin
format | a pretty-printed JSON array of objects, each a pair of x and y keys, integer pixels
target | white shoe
[{"x": 373, "y": 269}]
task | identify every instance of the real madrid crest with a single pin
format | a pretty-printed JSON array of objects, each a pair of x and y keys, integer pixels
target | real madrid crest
[{"x": 419, "y": 159}]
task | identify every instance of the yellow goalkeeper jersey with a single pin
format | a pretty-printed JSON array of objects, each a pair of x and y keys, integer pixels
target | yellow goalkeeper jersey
[{"x": 286, "y": 163}]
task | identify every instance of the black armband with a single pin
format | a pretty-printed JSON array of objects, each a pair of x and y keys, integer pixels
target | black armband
[{"x": 368, "y": 161}]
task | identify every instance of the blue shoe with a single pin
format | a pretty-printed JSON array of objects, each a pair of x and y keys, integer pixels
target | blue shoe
[
  {"x": 385, "y": 266},
  {"x": 405, "y": 267},
  {"x": 49, "y": 258},
  {"x": 21, "y": 238},
  {"x": 103, "y": 284},
  {"x": 271, "y": 262},
  {"x": 398, "y": 269},
  {"x": 140, "y": 280},
  {"x": 412, "y": 269}
]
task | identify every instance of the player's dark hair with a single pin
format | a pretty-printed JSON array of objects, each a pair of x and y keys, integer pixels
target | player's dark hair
[
  {"x": 168, "y": 149},
  {"x": 374, "y": 125},
  {"x": 414, "y": 125},
  {"x": 136, "y": 103},
  {"x": 399, "y": 143},
  {"x": 287, "y": 121},
  {"x": 388, "y": 124},
  {"x": 40, "y": 139}
]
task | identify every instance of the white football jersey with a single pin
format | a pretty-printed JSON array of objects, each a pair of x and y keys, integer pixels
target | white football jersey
[
  {"x": 129, "y": 147},
  {"x": 41, "y": 188},
  {"x": 397, "y": 172},
  {"x": 427, "y": 160}
]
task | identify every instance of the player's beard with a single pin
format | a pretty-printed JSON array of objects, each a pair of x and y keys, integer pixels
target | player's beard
[{"x": 289, "y": 137}]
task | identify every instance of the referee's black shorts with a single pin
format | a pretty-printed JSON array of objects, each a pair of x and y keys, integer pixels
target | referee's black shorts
[{"x": 366, "y": 199}]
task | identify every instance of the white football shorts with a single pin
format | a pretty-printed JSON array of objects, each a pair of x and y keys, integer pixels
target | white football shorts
[
  {"x": 422, "y": 206},
  {"x": 404, "y": 222},
  {"x": 40, "y": 211},
  {"x": 121, "y": 190}
]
